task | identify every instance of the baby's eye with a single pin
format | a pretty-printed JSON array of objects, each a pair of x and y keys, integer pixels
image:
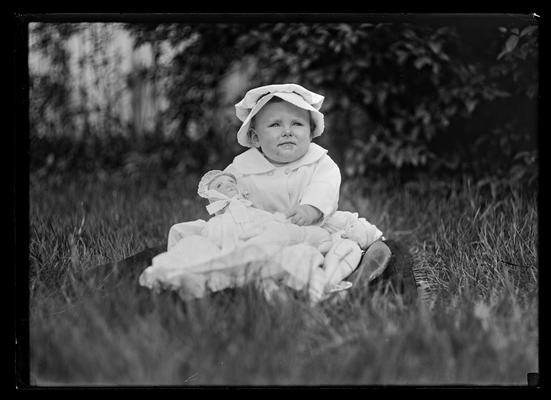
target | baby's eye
[
  {"x": 298, "y": 123},
  {"x": 274, "y": 124}
]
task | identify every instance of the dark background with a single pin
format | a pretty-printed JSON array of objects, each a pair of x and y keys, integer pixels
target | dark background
[{"x": 405, "y": 96}]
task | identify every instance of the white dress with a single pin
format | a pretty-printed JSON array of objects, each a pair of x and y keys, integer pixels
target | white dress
[{"x": 314, "y": 179}]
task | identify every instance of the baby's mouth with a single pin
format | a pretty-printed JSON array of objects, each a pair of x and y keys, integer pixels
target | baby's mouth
[{"x": 287, "y": 143}]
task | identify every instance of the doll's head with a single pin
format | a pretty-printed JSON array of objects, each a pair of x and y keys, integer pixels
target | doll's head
[
  {"x": 216, "y": 182},
  {"x": 225, "y": 184},
  {"x": 280, "y": 120}
]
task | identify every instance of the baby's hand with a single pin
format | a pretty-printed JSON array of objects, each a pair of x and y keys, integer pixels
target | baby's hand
[{"x": 303, "y": 215}]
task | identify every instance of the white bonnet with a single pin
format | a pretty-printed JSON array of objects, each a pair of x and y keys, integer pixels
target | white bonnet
[
  {"x": 203, "y": 186},
  {"x": 295, "y": 94}
]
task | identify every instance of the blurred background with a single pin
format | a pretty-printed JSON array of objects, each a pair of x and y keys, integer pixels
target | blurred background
[{"x": 442, "y": 97}]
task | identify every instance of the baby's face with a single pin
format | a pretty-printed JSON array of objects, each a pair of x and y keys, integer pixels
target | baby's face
[
  {"x": 224, "y": 184},
  {"x": 282, "y": 131}
]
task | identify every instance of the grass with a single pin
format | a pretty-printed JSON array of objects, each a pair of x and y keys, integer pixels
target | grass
[{"x": 479, "y": 325}]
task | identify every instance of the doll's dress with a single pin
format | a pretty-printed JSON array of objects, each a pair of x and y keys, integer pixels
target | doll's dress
[{"x": 236, "y": 248}]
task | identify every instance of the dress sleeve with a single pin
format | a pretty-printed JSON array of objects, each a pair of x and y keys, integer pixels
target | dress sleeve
[{"x": 323, "y": 190}]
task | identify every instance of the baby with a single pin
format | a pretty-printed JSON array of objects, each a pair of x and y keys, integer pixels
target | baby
[{"x": 284, "y": 172}]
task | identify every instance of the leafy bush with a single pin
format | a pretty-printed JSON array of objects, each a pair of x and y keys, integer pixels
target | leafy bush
[
  {"x": 396, "y": 92},
  {"x": 438, "y": 97}
]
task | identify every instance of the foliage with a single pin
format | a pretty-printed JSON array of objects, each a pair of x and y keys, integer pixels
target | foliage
[
  {"x": 49, "y": 97},
  {"x": 73, "y": 90},
  {"x": 399, "y": 95},
  {"x": 149, "y": 156}
]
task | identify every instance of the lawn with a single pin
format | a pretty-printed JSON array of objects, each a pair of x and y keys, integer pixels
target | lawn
[{"x": 478, "y": 323}]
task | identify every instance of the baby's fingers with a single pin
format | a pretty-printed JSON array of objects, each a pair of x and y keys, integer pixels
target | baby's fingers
[
  {"x": 290, "y": 213},
  {"x": 297, "y": 219}
]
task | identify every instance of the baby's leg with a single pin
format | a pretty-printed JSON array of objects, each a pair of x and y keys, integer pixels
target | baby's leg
[
  {"x": 275, "y": 233},
  {"x": 290, "y": 234},
  {"x": 341, "y": 260},
  {"x": 303, "y": 266},
  {"x": 317, "y": 237},
  {"x": 374, "y": 263},
  {"x": 387, "y": 264},
  {"x": 311, "y": 235}
]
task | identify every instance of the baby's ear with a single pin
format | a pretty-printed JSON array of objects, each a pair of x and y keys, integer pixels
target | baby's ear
[{"x": 253, "y": 138}]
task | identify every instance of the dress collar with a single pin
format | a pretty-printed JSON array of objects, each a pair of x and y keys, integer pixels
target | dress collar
[{"x": 253, "y": 161}]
